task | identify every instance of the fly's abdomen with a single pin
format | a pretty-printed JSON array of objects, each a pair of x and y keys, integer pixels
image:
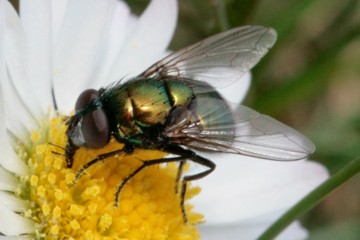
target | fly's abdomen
[
  {"x": 213, "y": 110},
  {"x": 206, "y": 115},
  {"x": 210, "y": 125}
]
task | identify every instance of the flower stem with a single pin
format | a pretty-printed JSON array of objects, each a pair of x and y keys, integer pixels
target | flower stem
[
  {"x": 312, "y": 199},
  {"x": 221, "y": 14}
]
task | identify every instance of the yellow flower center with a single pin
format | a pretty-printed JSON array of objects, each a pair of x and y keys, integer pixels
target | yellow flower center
[{"x": 148, "y": 206}]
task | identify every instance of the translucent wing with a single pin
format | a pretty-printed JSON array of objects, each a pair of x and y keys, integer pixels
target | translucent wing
[
  {"x": 243, "y": 131},
  {"x": 218, "y": 60}
]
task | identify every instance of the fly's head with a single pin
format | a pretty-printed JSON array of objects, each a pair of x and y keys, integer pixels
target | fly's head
[{"x": 88, "y": 127}]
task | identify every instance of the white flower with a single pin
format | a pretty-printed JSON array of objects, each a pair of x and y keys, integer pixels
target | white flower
[
  {"x": 243, "y": 197},
  {"x": 64, "y": 47}
]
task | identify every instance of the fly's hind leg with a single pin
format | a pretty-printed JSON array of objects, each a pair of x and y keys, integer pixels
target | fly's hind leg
[
  {"x": 192, "y": 156},
  {"x": 179, "y": 174},
  {"x": 183, "y": 156},
  {"x": 200, "y": 160}
]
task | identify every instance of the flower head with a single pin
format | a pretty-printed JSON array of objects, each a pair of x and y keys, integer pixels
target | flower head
[
  {"x": 56, "y": 49},
  {"x": 148, "y": 207}
]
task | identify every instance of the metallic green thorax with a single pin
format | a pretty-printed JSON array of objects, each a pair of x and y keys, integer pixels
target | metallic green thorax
[{"x": 142, "y": 103}]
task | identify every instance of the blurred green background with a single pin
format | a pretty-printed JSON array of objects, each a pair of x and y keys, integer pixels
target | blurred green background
[{"x": 310, "y": 80}]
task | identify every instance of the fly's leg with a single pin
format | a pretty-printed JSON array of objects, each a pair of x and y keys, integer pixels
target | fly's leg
[
  {"x": 179, "y": 174},
  {"x": 145, "y": 164},
  {"x": 200, "y": 160},
  {"x": 183, "y": 156},
  {"x": 190, "y": 155},
  {"x": 99, "y": 158},
  {"x": 70, "y": 150},
  {"x": 57, "y": 153}
]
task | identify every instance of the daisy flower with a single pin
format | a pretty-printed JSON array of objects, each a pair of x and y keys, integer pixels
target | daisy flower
[{"x": 49, "y": 53}]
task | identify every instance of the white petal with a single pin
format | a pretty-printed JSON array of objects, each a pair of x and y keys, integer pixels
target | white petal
[
  {"x": 13, "y": 203},
  {"x": 57, "y": 18},
  {"x": 114, "y": 36},
  {"x": 243, "y": 188},
  {"x": 15, "y": 238},
  {"x": 10, "y": 32},
  {"x": 13, "y": 224},
  {"x": 78, "y": 47},
  {"x": 8, "y": 158},
  {"x": 17, "y": 116},
  {"x": 36, "y": 20},
  {"x": 235, "y": 93},
  {"x": 148, "y": 40},
  {"x": 7, "y": 181},
  {"x": 249, "y": 231},
  {"x": 17, "y": 60},
  {"x": 295, "y": 232}
]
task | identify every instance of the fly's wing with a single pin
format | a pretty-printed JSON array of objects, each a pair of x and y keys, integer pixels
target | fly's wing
[
  {"x": 241, "y": 131},
  {"x": 218, "y": 60}
]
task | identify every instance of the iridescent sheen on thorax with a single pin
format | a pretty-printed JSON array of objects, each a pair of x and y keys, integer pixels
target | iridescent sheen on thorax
[{"x": 144, "y": 102}]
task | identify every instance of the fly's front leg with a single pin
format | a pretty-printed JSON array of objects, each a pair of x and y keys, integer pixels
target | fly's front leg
[
  {"x": 99, "y": 158},
  {"x": 70, "y": 150}
]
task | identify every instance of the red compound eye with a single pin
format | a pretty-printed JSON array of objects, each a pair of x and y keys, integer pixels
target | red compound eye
[
  {"x": 85, "y": 98},
  {"x": 94, "y": 125}
]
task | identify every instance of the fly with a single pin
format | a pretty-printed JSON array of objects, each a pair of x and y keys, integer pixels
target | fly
[{"x": 174, "y": 106}]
